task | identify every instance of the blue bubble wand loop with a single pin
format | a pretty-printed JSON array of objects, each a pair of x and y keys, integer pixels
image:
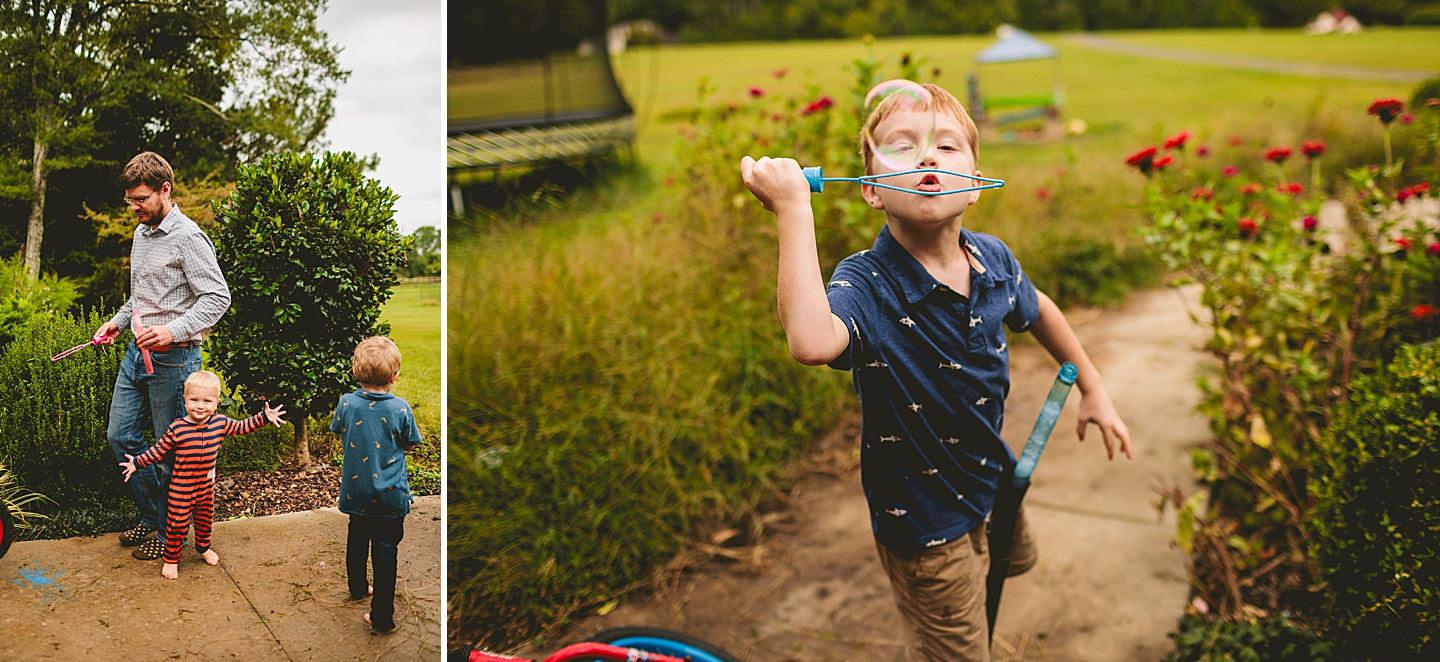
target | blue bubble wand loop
[{"x": 817, "y": 179}]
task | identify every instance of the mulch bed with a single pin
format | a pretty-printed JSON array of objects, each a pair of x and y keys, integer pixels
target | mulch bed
[{"x": 256, "y": 493}]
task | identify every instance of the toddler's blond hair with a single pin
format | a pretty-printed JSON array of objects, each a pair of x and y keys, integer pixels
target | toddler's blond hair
[
  {"x": 376, "y": 361},
  {"x": 203, "y": 379}
]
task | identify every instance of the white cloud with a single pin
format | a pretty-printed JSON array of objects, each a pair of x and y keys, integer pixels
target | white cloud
[{"x": 393, "y": 104}]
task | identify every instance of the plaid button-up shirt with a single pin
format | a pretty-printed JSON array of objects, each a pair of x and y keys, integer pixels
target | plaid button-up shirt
[{"x": 175, "y": 279}]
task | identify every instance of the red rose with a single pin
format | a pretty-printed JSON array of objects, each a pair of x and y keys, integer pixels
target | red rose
[
  {"x": 1422, "y": 188},
  {"x": 1293, "y": 188},
  {"x": 1177, "y": 141},
  {"x": 1143, "y": 159},
  {"x": 1423, "y": 311},
  {"x": 1163, "y": 161},
  {"x": 1310, "y": 223},
  {"x": 1313, "y": 148},
  {"x": 1403, "y": 244},
  {"x": 1433, "y": 249},
  {"x": 1203, "y": 151},
  {"x": 1407, "y": 118},
  {"x": 1250, "y": 189},
  {"x": 1404, "y": 194},
  {"x": 756, "y": 93},
  {"x": 1386, "y": 109},
  {"x": 1230, "y": 171},
  {"x": 1247, "y": 227},
  {"x": 1202, "y": 193},
  {"x": 1277, "y": 154},
  {"x": 818, "y": 105}
]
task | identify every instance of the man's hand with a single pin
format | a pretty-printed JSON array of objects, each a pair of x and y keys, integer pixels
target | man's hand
[
  {"x": 1095, "y": 407},
  {"x": 274, "y": 414},
  {"x": 155, "y": 336},
  {"x": 129, "y": 465},
  {"x": 776, "y": 183},
  {"x": 106, "y": 334}
]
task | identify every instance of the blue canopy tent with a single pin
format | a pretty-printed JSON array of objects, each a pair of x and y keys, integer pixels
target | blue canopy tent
[{"x": 1015, "y": 45}]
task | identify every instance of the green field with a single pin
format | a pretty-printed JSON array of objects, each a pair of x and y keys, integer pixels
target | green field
[
  {"x": 414, "y": 316},
  {"x": 1380, "y": 47}
]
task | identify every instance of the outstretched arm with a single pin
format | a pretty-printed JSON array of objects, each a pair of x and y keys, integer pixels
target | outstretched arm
[
  {"x": 1056, "y": 336},
  {"x": 815, "y": 335}
]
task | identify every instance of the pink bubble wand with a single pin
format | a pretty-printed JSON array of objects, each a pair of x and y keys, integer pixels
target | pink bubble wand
[{"x": 97, "y": 340}]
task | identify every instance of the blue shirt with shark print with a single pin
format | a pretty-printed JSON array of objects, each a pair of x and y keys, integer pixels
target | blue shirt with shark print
[{"x": 932, "y": 369}]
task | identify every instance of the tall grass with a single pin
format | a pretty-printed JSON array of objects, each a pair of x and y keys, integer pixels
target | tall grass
[{"x": 616, "y": 388}]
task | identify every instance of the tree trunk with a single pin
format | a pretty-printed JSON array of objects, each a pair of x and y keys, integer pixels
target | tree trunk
[
  {"x": 36, "y": 230},
  {"x": 302, "y": 441}
]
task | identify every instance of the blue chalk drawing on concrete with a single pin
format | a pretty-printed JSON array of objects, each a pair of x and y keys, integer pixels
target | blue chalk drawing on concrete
[{"x": 47, "y": 585}]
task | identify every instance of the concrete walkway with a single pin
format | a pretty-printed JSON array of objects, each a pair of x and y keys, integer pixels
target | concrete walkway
[
  {"x": 1110, "y": 585},
  {"x": 279, "y": 593}
]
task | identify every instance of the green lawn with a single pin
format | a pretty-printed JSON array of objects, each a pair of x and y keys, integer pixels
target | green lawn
[
  {"x": 414, "y": 316},
  {"x": 1381, "y": 47}
]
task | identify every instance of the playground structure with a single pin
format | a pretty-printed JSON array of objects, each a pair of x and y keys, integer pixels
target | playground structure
[
  {"x": 516, "y": 115},
  {"x": 1016, "y": 111}
]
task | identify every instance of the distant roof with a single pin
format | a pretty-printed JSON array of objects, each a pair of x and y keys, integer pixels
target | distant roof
[{"x": 1015, "y": 45}]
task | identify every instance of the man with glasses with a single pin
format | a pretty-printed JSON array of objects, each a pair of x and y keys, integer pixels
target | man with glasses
[{"x": 179, "y": 292}]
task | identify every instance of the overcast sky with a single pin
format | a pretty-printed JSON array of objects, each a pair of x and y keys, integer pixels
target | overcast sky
[{"x": 392, "y": 104}]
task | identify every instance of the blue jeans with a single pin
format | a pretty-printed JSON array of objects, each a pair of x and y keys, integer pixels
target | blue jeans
[
  {"x": 148, "y": 403},
  {"x": 379, "y": 538}
]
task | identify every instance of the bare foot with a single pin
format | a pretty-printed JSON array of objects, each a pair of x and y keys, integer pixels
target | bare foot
[
  {"x": 171, "y": 571},
  {"x": 370, "y": 591},
  {"x": 211, "y": 557}
]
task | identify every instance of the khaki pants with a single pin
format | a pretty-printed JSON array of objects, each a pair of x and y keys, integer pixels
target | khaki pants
[{"x": 941, "y": 593}]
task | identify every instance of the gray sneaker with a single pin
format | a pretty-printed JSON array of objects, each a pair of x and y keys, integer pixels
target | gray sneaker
[
  {"x": 137, "y": 535},
  {"x": 149, "y": 551}
]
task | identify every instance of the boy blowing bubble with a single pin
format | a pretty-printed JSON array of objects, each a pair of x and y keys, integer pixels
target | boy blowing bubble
[
  {"x": 195, "y": 438},
  {"x": 917, "y": 320}
]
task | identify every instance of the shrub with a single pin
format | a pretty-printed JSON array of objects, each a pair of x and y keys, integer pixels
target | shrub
[
  {"x": 1377, "y": 512},
  {"x": 21, "y": 299},
  {"x": 53, "y": 414},
  {"x": 1274, "y": 639},
  {"x": 311, "y": 247}
]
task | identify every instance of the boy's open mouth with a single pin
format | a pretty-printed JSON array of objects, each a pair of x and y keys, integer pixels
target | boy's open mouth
[{"x": 930, "y": 183}]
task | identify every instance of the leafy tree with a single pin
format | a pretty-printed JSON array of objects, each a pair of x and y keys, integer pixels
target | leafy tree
[
  {"x": 84, "y": 84},
  {"x": 424, "y": 257},
  {"x": 311, "y": 250}
]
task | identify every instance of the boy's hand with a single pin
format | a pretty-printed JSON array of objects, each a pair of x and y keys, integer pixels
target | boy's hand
[
  {"x": 776, "y": 183},
  {"x": 274, "y": 414},
  {"x": 1095, "y": 407},
  {"x": 129, "y": 465}
]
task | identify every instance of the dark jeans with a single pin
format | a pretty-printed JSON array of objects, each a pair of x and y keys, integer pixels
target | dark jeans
[
  {"x": 142, "y": 402},
  {"x": 379, "y": 538}
]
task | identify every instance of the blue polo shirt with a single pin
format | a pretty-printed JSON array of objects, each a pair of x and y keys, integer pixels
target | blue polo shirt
[{"x": 932, "y": 369}]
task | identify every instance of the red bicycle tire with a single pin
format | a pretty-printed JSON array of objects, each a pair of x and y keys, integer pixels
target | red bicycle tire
[{"x": 7, "y": 529}]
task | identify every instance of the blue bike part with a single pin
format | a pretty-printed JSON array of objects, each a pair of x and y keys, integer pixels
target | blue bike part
[
  {"x": 815, "y": 176},
  {"x": 1049, "y": 413},
  {"x": 666, "y": 647}
]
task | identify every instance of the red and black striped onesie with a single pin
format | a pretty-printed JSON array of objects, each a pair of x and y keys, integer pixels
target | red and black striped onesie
[{"x": 192, "y": 484}]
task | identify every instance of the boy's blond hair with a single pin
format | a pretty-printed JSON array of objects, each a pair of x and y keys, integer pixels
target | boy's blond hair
[
  {"x": 941, "y": 101},
  {"x": 376, "y": 361},
  {"x": 202, "y": 379}
]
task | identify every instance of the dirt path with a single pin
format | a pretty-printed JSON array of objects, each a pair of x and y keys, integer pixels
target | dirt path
[
  {"x": 1109, "y": 584},
  {"x": 1249, "y": 62}
]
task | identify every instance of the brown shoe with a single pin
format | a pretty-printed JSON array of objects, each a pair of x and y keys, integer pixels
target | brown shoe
[
  {"x": 137, "y": 535},
  {"x": 149, "y": 551}
]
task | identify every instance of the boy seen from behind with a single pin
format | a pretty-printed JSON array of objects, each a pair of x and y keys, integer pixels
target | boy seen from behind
[
  {"x": 376, "y": 428},
  {"x": 918, "y": 322}
]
